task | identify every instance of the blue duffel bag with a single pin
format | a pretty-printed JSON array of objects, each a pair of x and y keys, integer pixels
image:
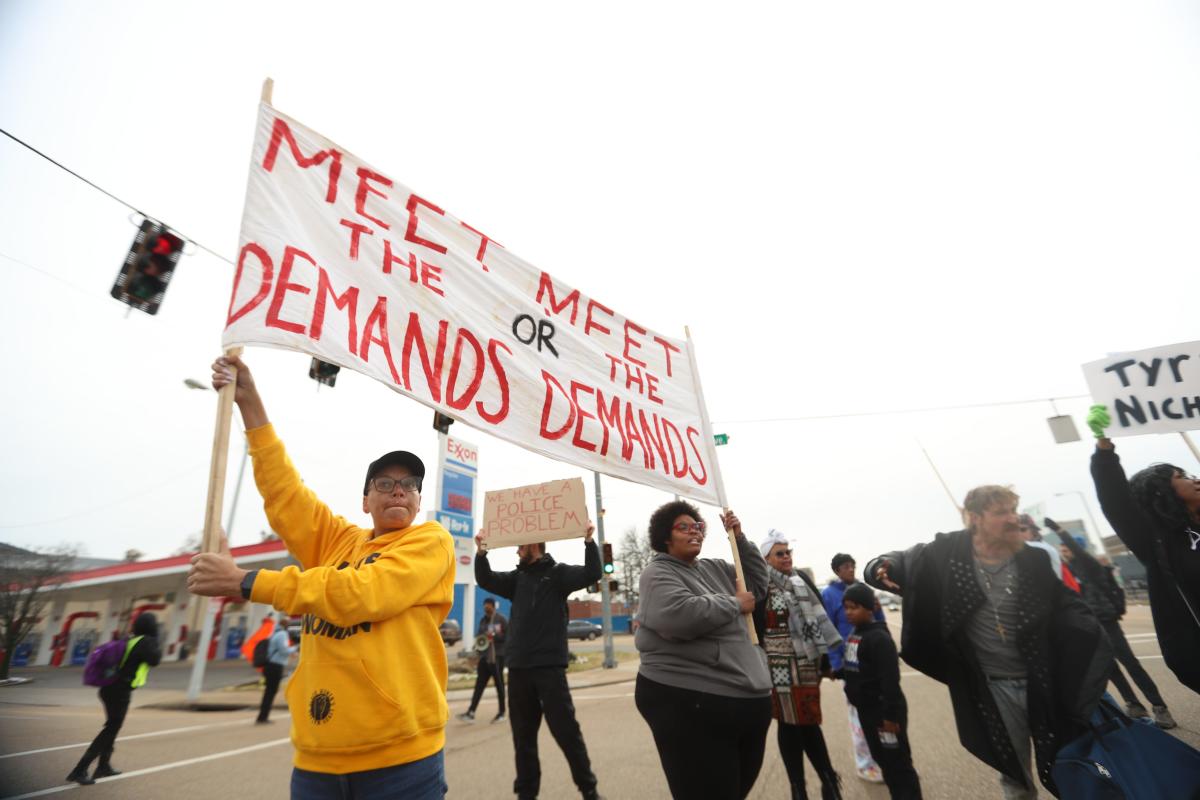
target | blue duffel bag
[{"x": 1120, "y": 759}]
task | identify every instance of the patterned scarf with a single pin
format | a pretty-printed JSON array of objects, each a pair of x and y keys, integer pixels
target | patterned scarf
[{"x": 809, "y": 626}]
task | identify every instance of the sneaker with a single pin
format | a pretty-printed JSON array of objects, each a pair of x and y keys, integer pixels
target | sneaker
[
  {"x": 871, "y": 774},
  {"x": 501, "y": 717},
  {"x": 1163, "y": 718},
  {"x": 1136, "y": 710},
  {"x": 81, "y": 777},
  {"x": 467, "y": 716}
]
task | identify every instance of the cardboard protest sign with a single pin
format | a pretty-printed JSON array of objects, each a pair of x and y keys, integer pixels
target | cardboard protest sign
[
  {"x": 1149, "y": 391},
  {"x": 543, "y": 512},
  {"x": 340, "y": 261}
]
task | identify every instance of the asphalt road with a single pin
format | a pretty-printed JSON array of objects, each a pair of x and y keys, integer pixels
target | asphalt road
[{"x": 190, "y": 755}]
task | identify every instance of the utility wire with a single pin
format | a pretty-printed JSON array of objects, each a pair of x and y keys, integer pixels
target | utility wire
[
  {"x": 900, "y": 411},
  {"x": 104, "y": 191}
]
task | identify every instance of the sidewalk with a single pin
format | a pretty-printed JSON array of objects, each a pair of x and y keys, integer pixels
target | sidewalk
[{"x": 230, "y": 686}]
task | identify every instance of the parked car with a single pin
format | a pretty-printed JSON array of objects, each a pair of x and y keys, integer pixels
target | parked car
[
  {"x": 582, "y": 629},
  {"x": 451, "y": 631}
]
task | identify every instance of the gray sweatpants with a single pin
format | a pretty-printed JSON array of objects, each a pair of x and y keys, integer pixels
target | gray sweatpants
[{"x": 1011, "y": 696}]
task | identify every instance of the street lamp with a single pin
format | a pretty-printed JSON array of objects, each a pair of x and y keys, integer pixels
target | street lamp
[{"x": 1086, "y": 507}]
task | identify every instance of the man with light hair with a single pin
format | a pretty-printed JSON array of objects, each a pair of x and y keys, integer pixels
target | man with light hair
[{"x": 1021, "y": 654}]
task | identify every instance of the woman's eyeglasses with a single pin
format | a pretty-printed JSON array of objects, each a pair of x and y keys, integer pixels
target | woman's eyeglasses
[{"x": 688, "y": 527}]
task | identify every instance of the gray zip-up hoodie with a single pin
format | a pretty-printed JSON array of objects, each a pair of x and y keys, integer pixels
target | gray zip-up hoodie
[{"x": 692, "y": 634}]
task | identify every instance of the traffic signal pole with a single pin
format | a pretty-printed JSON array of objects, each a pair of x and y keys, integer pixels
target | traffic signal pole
[{"x": 610, "y": 659}]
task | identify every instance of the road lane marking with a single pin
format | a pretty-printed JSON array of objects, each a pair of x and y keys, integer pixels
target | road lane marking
[
  {"x": 150, "y": 770},
  {"x": 127, "y": 738}
]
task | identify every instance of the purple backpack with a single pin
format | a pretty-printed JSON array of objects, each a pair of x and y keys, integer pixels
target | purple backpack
[{"x": 104, "y": 662}]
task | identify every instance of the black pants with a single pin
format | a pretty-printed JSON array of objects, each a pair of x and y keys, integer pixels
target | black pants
[
  {"x": 532, "y": 693},
  {"x": 116, "y": 704},
  {"x": 1123, "y": 654},
  {"x": 483, "y": 673},
  {"x": 794, "y": 742},
  {"x": 273, "y": 673},
  {"x": 895, "y": 761},
  {"x": 711, "y": 747}
]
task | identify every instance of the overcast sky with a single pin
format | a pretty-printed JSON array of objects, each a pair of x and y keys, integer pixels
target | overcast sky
[{"x": 855, "y": 207}]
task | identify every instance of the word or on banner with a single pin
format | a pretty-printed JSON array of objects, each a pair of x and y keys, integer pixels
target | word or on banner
[
  {"x": 1149, "y": 391},
  {"x": 543, "y": 512},
  {"x": 342, "y": 262}
]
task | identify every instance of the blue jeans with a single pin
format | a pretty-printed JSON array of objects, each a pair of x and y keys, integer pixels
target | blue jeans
[{"x": 417, "y": 780}]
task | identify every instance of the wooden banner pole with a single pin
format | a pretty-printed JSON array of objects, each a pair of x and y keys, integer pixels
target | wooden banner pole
[
  {"x": 718, "y": 481},
  {"x": 1191, "y": 445}
]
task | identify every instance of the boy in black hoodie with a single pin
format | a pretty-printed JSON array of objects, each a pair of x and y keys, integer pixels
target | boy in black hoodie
[{"x": 871, "y": 670}]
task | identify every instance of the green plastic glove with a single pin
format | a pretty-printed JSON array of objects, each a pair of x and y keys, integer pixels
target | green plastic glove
[{"x": 1098, "y": 419}]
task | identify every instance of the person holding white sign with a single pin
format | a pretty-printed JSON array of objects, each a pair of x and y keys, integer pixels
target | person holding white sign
[
  {"x": 1156, "y": 513},
  {"x": 368, "y": 699},
  {"x": 703, "y": 686},
  {"x": 537, "y": 657}
]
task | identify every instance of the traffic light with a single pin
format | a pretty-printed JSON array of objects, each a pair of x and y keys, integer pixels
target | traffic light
[
  {"x": 608, "y": 559},
  {"x": 323, "y": 372},
  {"x": 441, "y": 422},
  {"x": 148, "y": 267}
]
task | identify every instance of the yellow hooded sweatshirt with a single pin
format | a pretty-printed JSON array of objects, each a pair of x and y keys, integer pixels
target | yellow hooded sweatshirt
[{"x": 370, "y": 690}]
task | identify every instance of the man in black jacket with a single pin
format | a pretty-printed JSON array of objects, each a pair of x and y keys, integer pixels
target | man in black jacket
[
  {"x": 1099, "y": 590},
  {"x": 536, "y": 652},
  {"x": 1022, "y": 655},
  {"x": 494, "y": 626}
]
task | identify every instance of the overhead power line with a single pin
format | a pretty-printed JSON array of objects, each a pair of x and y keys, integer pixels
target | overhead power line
[
  {"x": 900, "y": 410},
  {"x": 104, "y": 191}
]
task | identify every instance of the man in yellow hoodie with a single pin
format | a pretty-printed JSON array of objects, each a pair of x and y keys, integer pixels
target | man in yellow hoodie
[{"x": 368, "y": 700}]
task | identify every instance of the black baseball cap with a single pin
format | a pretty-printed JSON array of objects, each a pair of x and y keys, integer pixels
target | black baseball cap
[{"x": 396, "y": 458}]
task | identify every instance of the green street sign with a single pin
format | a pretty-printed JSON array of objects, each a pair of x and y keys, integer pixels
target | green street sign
[{"x": 721, "y": 438}]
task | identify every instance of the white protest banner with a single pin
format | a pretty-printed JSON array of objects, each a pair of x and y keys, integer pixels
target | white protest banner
[
  {"x": 543, "y": 512},
  {"x": 340, "y": 261},
  {"x": 1149, "y": 391}
]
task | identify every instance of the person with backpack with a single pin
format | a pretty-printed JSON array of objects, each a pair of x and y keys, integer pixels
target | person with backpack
[
  {"x": 1107, "y": 601},
  {"x": 1156, "y": 513},
  {"x": 275, "y": 655},
  {"x": 141, "y": 651}
]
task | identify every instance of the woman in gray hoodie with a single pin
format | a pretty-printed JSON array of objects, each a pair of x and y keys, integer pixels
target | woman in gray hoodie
[{"x": 702, "y": 686}]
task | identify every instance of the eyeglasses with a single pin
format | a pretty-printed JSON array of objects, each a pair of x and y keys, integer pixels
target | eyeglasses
[
  {"x": 787, "y": 552},
  {"x": 385, "y": 485},
  {"x": 688, "y": 527}
]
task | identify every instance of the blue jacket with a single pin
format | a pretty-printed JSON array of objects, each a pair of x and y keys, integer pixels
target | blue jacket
[
  {"x": 279, "y": 646},
  {"x": 832, "y": 598}
]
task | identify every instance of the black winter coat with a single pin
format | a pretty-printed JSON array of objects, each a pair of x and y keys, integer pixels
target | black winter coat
[
  {"x": 537, "y": 627},
  {"x": 1172, "y": 568},
  {"x": 1066, "y": 651},
  {"x": 1094, "y": 580}
]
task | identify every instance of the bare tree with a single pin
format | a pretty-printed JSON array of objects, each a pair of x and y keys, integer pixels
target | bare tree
[
  {"x": 190, "y": 545},
  {"x": 28, "y": 580},
  {"x": 635, "y": 554},
  {"x": 133, "y": 555}
]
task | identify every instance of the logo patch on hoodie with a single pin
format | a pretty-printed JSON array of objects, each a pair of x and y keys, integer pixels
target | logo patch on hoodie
[{"x": 320, "y": 707}]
